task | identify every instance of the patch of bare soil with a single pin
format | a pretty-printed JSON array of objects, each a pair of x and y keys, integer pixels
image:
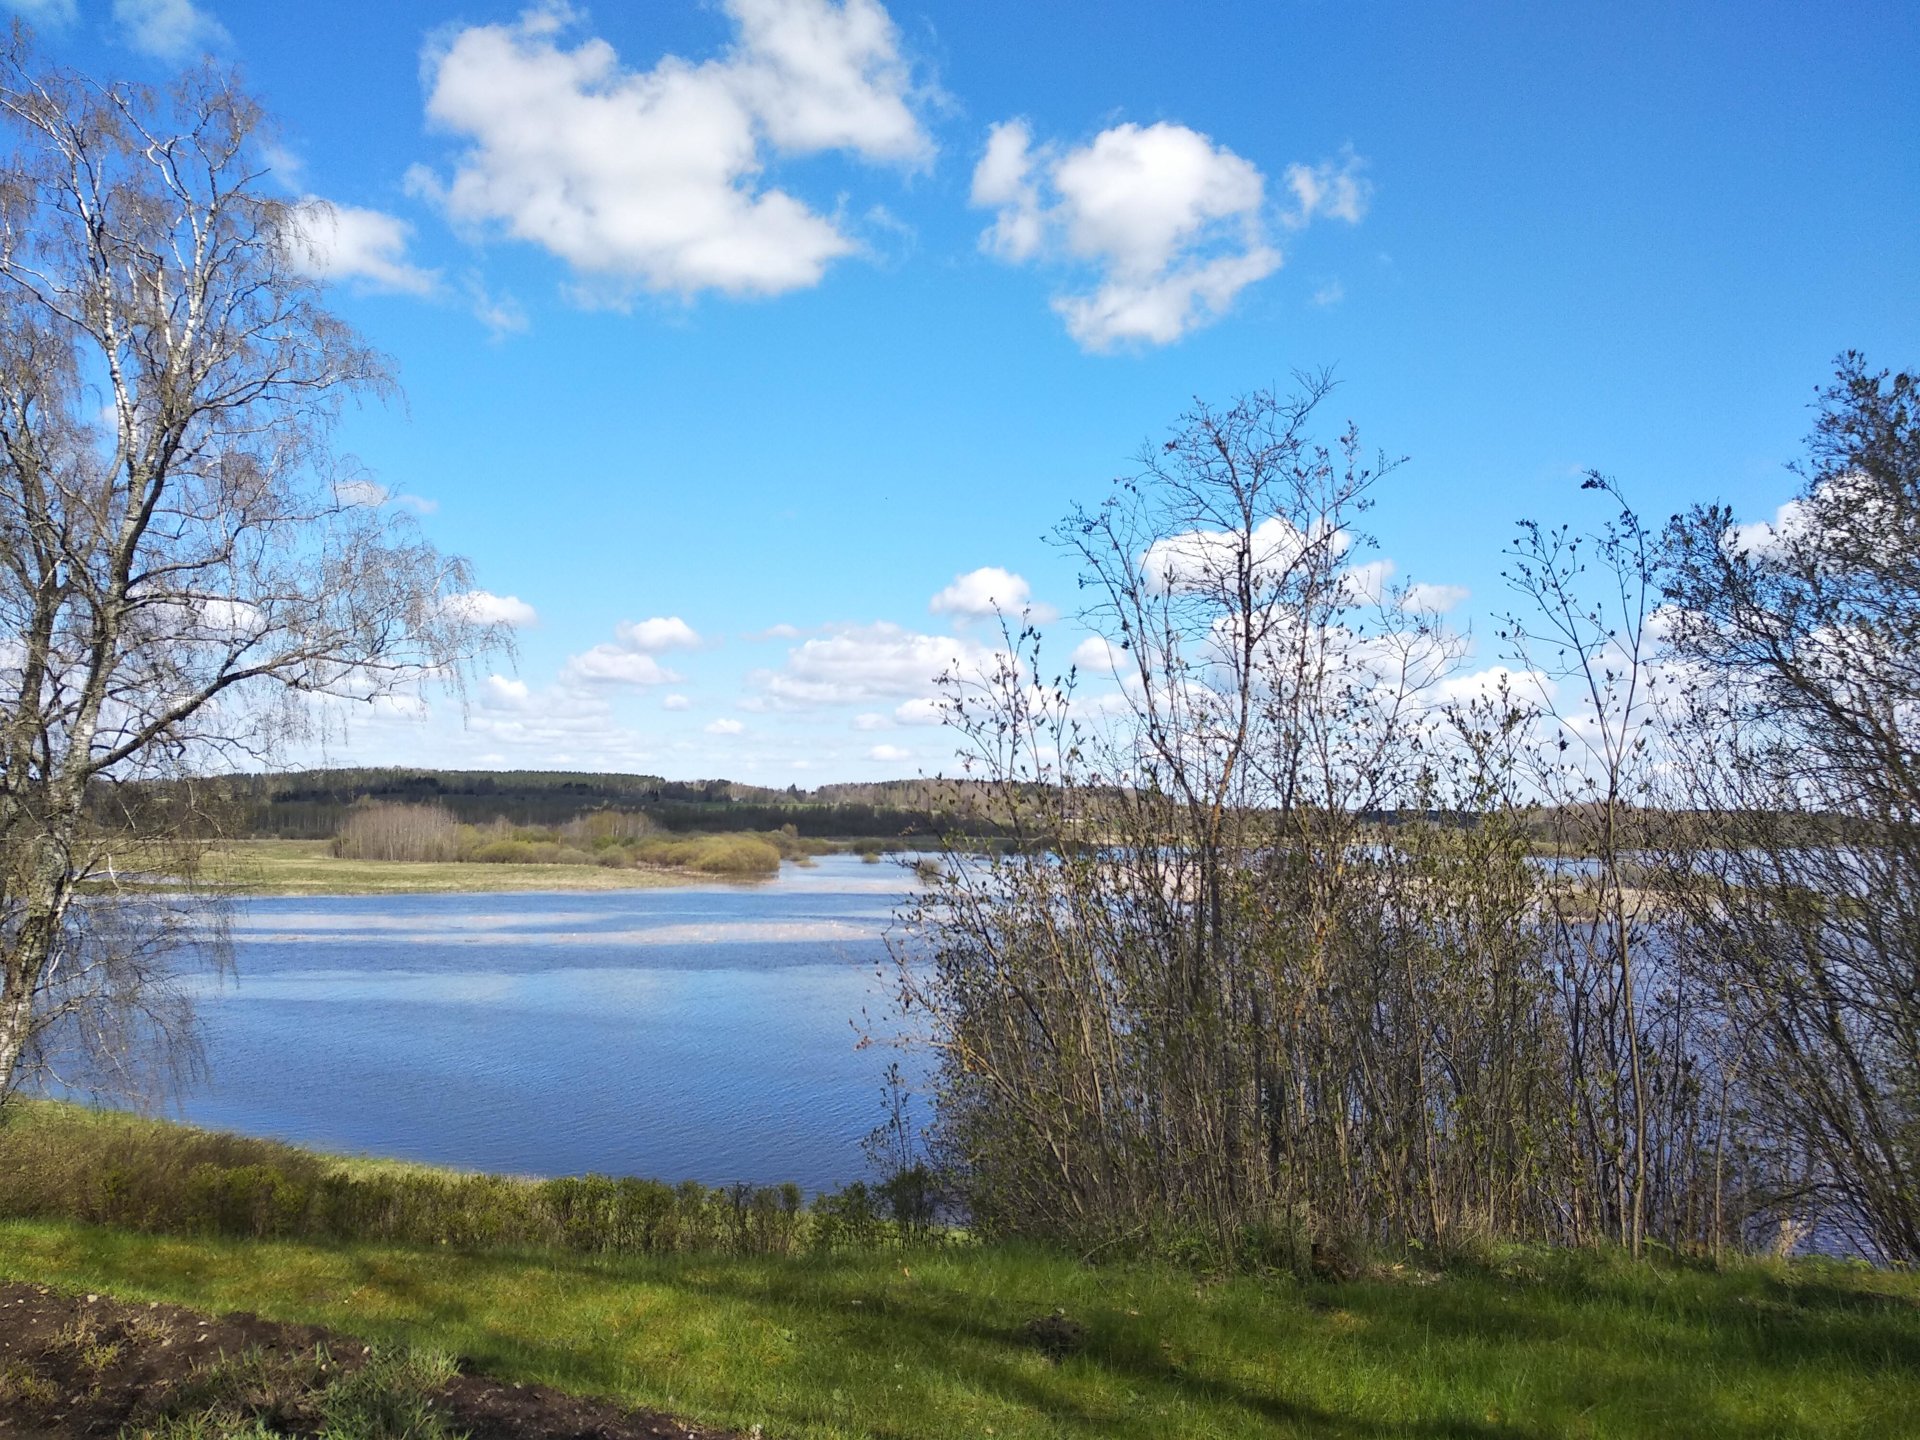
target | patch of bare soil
[{"x": 89, "y": 1365}]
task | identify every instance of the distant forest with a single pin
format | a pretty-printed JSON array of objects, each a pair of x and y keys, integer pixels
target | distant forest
[{"x": 310, "y": 804}]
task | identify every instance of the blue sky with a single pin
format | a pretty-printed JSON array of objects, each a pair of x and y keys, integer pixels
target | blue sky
[{"x": 779, "y": 319}]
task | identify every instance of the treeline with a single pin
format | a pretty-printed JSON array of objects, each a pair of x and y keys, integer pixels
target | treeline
[
  {"x": 1662, "y": 987},
  {"x": 312, "y": 805}
]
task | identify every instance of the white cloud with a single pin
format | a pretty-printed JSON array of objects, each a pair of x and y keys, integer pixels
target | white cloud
[
  {"x": 1205, "y": 561},
  {"x": 346, "y": 242},
  {"x": 630, "y": 660},
  {"x": 889, "y": 752},
  {"x": 1004, "y": 181},
  {"x": 652, "y": 180},
  {"x": 1525, "y": 687},
  {"x": 1097, "y": 655},
  {"x": 676, "y": 702},
  {"x": 501, "y": 314},
  {"x": 922, "y": 710},
  {"x": 360, "y": 493},
  {"x": 1438, "y": 599},
  {"x": 821, "y": 76},
  {"x": 1173, "y": 224},
  {"x": 1334, "y": 188},
  {"x": 724, "y": 726},
  {"x": 871, "y": 720},
  {"x": 501, "y": 693},
  {"x": 47, "y": 14},
  {"x": 1329, "y": 293},
  {"x": 1761, "y": 539},
  {"x": 868, "y": 663},
  {"x": 650, "y": 637},
  {"x": 483, "y": 607},
  {"x": 1367, "y": 583},
  {"x": 987, "y": 592},
  {"x": 371, "y": 495},
  {"x": 169, "y": 29},
  {"x": 615, "y": 665}
]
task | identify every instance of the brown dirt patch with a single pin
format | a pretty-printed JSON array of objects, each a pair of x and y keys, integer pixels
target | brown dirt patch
[{"x": 89, "y": 1365}]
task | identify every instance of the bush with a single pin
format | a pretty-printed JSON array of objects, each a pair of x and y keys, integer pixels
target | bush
[
  {"x": 500, "y": 852},
  {"x": 727, "y": 855}
]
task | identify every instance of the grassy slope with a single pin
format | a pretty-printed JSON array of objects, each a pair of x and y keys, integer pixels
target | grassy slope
[
  {"x": 82, "y": 1128},
  {"x": 929, "y": 1344},
  {"x": 303, "y": 867}
]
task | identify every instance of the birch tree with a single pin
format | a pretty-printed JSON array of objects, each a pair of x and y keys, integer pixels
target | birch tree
[{"x": 185, "y": 559}]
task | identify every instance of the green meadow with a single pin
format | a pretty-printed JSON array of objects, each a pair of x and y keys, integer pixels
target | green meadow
[{"x": 935, "y": 1343}]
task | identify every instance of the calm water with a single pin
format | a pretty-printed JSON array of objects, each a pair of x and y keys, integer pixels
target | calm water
[{"x": 708, "y": 1033}]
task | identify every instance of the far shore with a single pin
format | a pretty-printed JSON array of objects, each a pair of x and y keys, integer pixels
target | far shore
[{"x": 308, "y": 867}]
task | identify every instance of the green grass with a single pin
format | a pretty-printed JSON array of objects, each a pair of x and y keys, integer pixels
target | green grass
[
  {"x": 931, "y": 1344},
  {"x": 96, "y": 1132}
]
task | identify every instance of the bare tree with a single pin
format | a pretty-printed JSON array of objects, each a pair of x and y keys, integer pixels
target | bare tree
[
  {"x": 184, "y": 559},
  {"x": 1230, "y": 987},
  {"x": 1803, "y": 751},
  {"x": 1273, "y": 961},
  {"x": 1587, "y": 636}
]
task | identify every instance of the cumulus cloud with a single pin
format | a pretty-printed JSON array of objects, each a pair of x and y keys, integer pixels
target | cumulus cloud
[
  {"x": 616, "y": 665},
  {"x": 889, "y": 752},
  {"x": 724, "y": 726},
  {"x": 1526, "y": 687},
  {"x": 369, "y": 247},
  {"x": 1367, "y": 583},
  {"x": 676, "y": 702},
  {"x": 1205, "y": 561},
  {"x": 867, "y": 663},
  {"x": 653, "y": 179},
  {"x": 650, "y": 637},
  {"x": 921, "y": 710},
  {"x": 1438, "y": 599},
  {"x": 871, "y": 720},
  {"x": 1763, "y": 539},
  {"x": 1173, "y": 225},
  {"x": 502, "y": 693},
  {"x": 629, "y": 659},
  {"x": 1097, "y": 655},
  {"x": 824, "y": 76},
  {"x": 169, "y": 29},
  {"x": 483, "y": 607},
  {"x": 987, "y": 592}
]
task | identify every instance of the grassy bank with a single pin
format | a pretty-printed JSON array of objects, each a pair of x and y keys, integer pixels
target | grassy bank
[
  {"x": 937, "y": 1345},
  {"x": 69, "y": 1162},
  {"x": 842, "y": 1334},
  {"x": 306, "y": 867}
]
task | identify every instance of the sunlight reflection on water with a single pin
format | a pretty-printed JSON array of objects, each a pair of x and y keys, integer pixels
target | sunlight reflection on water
[{"x": 709, "y": 1033}]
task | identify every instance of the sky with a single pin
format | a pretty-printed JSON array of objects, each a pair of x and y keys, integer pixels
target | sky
[{"x": 752, "y": 349}]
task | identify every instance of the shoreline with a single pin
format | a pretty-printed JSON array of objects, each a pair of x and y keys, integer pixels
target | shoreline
[{"x": 270, "y": 869}]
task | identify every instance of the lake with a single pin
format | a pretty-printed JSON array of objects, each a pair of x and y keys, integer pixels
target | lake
[{"x": 709, "y": 1032}]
